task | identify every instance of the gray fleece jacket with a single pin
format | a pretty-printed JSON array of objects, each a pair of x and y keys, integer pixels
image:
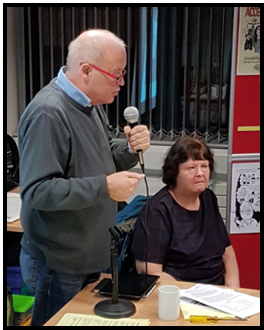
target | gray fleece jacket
[{"x": 66, "y": 153}]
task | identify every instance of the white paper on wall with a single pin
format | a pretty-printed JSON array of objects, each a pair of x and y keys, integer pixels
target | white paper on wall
[{"x": 245, "y": 198}]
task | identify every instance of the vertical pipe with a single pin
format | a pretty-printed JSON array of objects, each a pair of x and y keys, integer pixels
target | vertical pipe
[
  {"x": 95, "y": 17},
  {"x": 107, "y": 18},
  {"x": 197, "y": 78},
  {"x": 72, "y": 23},
  {"x": 40, "y": 48},
  {"x": 221, "y": 75},
  {"x": 51, "y": 44},
  {"x": 128, "y": 56},
  {"x": 107, "y": 27},
  {"x": 186, "y": 94},
  {"x": 171, "y": 73},
  {"x": 20, "y": 55},
  {"x": 84, "y": 18},
  {"x": 209, "y": 74},
  {"x": 30, "y": 55},
  {"x": 150, "y": 71},
  {"x": 117, "y": 98},
  {"x": 139, "y": 67},
  {"x": 231, "y": 118},
  {"x": 62, "y": 37}
]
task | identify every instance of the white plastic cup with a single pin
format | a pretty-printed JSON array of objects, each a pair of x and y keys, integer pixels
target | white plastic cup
[{"x": 168, "y": 302}]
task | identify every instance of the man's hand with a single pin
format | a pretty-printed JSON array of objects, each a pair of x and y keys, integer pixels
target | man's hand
[
  {"x": 121, "y": 185},
  {"x": 138, "y": 137}
]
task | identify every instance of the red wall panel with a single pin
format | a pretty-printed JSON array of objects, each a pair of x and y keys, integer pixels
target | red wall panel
[
  {"x": 247, "y": 248},
  {"x": 247, "y": 113}
]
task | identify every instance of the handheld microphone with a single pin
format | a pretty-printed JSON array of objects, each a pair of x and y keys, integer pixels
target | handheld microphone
[{"x": 131, "y": 116}]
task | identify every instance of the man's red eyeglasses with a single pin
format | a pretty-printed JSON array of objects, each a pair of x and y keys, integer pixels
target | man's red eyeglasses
[{"x": 118, "y": 79}]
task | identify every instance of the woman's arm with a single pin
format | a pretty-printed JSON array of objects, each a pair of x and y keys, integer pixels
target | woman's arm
[
  {"x": 232, "y": 272},
  {"x": 152, "y": 269}
]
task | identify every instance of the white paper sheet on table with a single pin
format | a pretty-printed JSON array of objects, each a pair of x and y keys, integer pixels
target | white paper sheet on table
[
  {"x": 13, "y": 207},
  {"x": 193, "y": 307},
  {"x": 72, "y": 319},
  {"x": 239, "y": 304}
]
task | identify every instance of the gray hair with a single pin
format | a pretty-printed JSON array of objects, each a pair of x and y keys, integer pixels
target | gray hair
[{"x": 90, "y": 47}]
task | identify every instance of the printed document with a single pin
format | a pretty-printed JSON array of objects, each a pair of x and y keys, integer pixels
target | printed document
[
  {"x": 13, "y": 207},
  {"x": 193, "y": 307},
  {"x": 83, "y": 320},
  {"x": 239, "y": 304}
]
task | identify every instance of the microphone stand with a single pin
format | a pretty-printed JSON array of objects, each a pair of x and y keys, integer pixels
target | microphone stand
[{"x": 115, "y": 308}]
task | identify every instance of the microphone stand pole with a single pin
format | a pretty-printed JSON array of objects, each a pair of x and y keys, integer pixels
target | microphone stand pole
[
  {"x": 114, "y": 263},
  {"x": 114, "y": 308}
]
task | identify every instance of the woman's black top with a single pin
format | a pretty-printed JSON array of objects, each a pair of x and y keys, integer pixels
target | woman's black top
[{"x": 189, "y": 244}]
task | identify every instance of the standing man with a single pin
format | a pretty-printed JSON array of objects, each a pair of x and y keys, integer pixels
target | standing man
[{"x": 72, "y": 173}]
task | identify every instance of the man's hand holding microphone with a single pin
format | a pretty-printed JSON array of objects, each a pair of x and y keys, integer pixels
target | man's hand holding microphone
[
  {"x": 138, "y": 137},
  {"x": 122, "y": 185}
]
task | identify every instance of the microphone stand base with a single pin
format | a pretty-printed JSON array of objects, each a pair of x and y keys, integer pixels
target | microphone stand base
[{"x": 120, "y": 309}]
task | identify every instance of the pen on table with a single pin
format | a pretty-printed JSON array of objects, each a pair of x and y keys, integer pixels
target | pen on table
[{"x": 211, "y": 319}]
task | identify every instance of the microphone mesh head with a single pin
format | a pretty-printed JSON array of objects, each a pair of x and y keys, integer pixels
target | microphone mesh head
[{"x": 131, "y": 115}]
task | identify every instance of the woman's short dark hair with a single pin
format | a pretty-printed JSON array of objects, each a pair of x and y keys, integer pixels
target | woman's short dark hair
[{"x": 182, "y": 150}]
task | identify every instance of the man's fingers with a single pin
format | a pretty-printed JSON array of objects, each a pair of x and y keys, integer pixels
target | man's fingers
[{"x": 138, "y": 176}]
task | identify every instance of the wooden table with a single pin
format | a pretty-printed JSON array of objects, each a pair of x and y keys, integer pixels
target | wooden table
[
  {"x": 15, "y": 226},
  {"x": 84, "y": 302}
]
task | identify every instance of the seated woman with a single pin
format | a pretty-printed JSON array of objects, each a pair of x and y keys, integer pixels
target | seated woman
[{"x": 182, "y": 235}]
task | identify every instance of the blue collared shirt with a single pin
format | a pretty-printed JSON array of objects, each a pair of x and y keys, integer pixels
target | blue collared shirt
[{"x": 64, "y": 83}]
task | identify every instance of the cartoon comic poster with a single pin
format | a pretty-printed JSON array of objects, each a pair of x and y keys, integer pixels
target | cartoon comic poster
[
  {"x": 245, "y": 198},
  {"x": 248, "y": 62}
]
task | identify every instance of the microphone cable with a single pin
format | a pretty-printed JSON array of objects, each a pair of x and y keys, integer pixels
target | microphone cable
[{"x": 146, "y": 211}]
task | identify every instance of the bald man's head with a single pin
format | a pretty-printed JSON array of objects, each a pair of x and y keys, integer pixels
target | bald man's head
[{"x": 92, "y": 46}]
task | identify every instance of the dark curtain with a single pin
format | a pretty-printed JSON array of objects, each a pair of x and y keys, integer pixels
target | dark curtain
[{"x": 193, "y": 62}]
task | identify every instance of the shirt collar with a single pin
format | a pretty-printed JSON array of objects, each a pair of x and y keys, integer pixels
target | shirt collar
[{"x": 64, "y": 83}]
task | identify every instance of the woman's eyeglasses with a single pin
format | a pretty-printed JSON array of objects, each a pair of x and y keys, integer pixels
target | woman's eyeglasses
[{"x": 117, "y": 79}]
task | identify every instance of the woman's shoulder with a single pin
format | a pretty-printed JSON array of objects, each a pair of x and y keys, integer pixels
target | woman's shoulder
[
  {"x": 160, "y": 201},
  {"x": 160, "y": 196},
  {"x": 208, "y": 194},
  {"x": 209, "y": 200}
]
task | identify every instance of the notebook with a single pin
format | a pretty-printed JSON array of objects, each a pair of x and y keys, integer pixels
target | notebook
[{"x": 130, "y": 285}]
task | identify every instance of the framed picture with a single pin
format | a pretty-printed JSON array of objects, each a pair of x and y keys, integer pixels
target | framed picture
[
  {"x": 248, "y": 61},
  {"x": 245, "y": 198}
]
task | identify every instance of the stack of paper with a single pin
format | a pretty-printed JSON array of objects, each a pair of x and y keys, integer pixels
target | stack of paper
[
  {"x": 82, "y": 320},
  {"x": 13, "y": 206},
  {"x": 235, "y": 304},
  {"x": 193, "y": 307}
]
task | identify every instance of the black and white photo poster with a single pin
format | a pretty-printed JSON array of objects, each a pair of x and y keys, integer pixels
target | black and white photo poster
[{"x": 245, "y": 198}]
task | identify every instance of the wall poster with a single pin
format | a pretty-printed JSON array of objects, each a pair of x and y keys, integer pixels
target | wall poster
[
  {"x": 245, "y": 198},
  {"x": 248, "y": 62}
]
